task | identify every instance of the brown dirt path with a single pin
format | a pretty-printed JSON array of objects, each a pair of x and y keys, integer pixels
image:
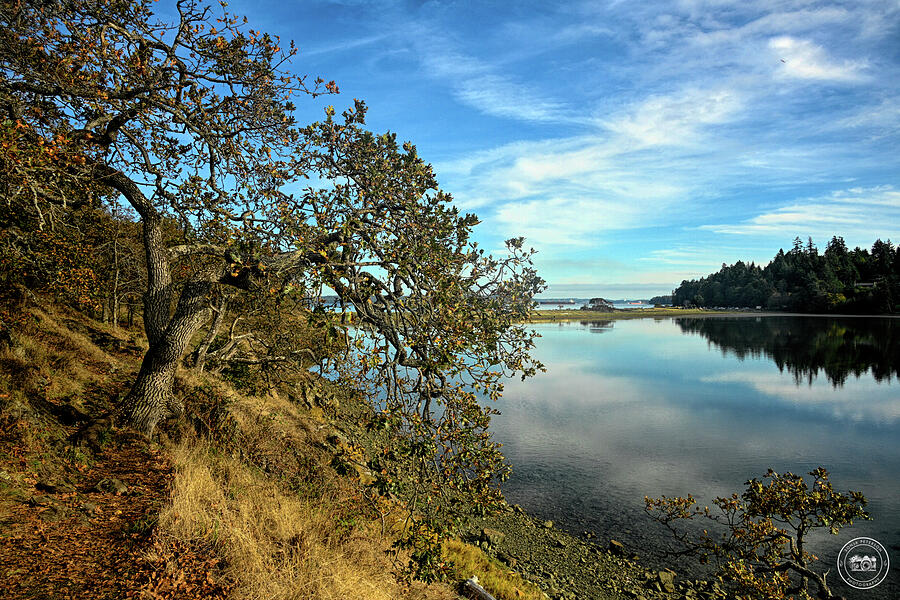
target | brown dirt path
[{"x": 85, "y": 543}]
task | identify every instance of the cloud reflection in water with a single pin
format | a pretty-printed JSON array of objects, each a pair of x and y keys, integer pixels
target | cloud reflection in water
[{"x": 649, "y": 408}]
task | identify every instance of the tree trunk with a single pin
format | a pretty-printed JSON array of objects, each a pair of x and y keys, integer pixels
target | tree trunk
[
  {"x": 150, "y": 399},
  {"x": 114, "y": 300}
]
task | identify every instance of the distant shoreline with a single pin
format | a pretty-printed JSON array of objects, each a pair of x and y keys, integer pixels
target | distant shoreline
[{"x": 553, "y": 316}]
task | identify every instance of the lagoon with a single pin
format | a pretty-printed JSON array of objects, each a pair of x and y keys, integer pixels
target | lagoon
[{"x": 699, "y": 405}]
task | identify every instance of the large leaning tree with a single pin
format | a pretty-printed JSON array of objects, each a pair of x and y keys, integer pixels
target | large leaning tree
[{"x": 190, "y": 122}]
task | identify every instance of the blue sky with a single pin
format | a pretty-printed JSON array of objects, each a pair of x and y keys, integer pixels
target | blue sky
[{"x": 634, "y": 143}]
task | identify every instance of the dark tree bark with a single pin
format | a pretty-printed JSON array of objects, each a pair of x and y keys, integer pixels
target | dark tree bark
[{"x": 150, "y": 399}]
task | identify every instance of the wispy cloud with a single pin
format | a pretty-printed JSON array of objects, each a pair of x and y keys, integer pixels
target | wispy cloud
[
  {"x": 670, "y": 136},
  {"x": 693, "y": 256},
  {"x": 802, "y": 59},
  {"x": 565, "y": 221},
  {"x": 500, "y": 96},
  {"x": 675, "y": 119},
  {"x": 485, "y": 88},
  {"x": 561, "y": 192},
  {"x": 855, "y": 212},
  {"x": 881, "y": 118},
  {"x": 717, "y": 110},
  {"x": 342, "y": 46}
]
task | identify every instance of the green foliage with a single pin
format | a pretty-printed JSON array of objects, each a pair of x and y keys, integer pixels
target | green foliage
[
  {"x": 761, "y": 549},
  {"x": 423, "y": 541},
  {"x": 803, "y": 280},
  {"x": 436, "y": 323}
]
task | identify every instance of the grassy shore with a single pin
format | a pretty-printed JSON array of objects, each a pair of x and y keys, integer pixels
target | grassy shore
[
  {"x": 550, "y": 316},
  {"x": 240, "y": 499}
]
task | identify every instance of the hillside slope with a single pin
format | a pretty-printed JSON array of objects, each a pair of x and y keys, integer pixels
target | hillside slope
[{"x": 238, "y": 499}]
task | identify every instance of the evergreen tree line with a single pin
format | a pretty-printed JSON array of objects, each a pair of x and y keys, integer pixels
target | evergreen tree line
[{"x": 837, "y": 280}]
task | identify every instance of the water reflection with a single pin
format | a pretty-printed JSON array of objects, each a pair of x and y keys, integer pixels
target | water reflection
[
  {"x": 805, "y": 346},
  {"x": 598, "y": 326},
  {"x": 660, "y": 407}
]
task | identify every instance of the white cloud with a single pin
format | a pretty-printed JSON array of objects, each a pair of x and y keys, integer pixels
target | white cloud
[
  {"x": 662, "y": 115},
  {"x": 677, "y": 119},
  {"x": 857, "y": 214},
  {"x": 879, "y": 404},
  {"x": 802, "y": 59},
  {"x": 564, "y": 196},
  {"x": 883, "y": 118},
  {"x": 569, "y": 221},
  {"x": 567, "y": 191},
  {"x": 499, "y": 96},
  {"x": 781, "y": 19},
  {"x": 342, "y": 46},
  {"x": 704, "y": 258},
  {"x": 479, "y": 85}
]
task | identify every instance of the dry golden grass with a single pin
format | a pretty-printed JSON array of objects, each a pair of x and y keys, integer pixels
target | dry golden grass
[
  {"x": 275, "y": 544},
  {"x": 51, "y": 358},
  {"x": 318, "y": 541},
  {"x": 65, "y": 337},
  {"x": 286, "y": 525},
  {"x": 502, "y": 583}
]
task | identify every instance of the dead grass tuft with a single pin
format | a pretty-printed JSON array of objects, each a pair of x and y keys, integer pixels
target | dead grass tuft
[
  {"x": 502, "y": 583},
  {"x": 275, "y": 544}
]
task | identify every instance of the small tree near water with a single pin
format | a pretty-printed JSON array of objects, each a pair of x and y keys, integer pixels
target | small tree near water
[{"x": 763, "y": 549}]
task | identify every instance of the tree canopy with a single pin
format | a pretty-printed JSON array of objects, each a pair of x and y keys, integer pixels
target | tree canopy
[
  {"x": 805, "y": 280},
  {"x": 190, "y": 124}
]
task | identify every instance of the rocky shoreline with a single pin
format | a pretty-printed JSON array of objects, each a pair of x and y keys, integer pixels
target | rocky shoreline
[
  {"x": 563, "y": 566},
  {"x": 568, "y": 568}
]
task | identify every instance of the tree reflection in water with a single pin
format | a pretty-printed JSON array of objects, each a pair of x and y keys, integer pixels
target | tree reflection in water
[
  {"x": 598, "y": 326},
  {"x": 806, "y": 346}
]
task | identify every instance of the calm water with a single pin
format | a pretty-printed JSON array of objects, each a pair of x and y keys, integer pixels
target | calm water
[{"x": 688, "y": 405}]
